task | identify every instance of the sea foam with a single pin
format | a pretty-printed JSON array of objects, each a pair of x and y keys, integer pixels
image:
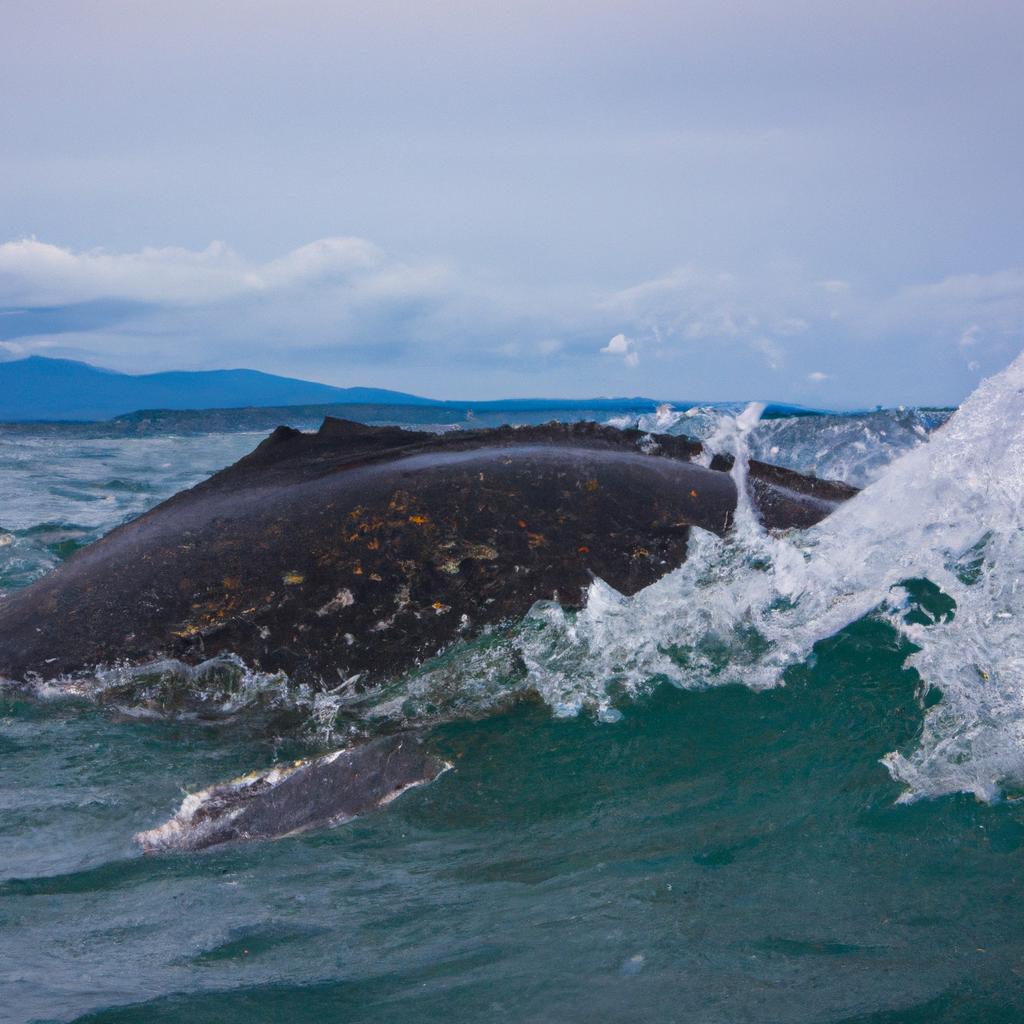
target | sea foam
[{"x": 744, "y": 608}]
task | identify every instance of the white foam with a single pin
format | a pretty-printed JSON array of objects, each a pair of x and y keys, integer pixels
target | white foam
[
  {"x": 855, "y": 449},
  {"x": 742, "y": 609}
]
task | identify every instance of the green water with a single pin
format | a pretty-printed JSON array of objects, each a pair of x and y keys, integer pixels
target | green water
[{"x": 717, "y": 856}]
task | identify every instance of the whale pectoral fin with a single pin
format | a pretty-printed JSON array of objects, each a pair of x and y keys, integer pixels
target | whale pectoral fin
[{"x": 283, "y": 800}]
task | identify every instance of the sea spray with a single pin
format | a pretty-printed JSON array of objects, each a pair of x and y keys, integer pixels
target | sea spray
[
  {"x": 745, "y": 608},
  {"x": 855, "y": 448}
]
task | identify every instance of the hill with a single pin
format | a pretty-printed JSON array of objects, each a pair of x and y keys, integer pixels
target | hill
[{"x": 38, "y": 388}]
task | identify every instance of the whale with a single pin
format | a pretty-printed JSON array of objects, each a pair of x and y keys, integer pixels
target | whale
[
  {"x": 290, "y": 799},
  {"x": 347, "y": 556},
  {"x": 356, "y": 552}
]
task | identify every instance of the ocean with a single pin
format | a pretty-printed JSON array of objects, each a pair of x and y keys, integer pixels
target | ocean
[{"x": 782, "y": 784}]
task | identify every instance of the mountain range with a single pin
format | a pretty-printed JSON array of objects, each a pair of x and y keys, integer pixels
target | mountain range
[{"x": 39, "y": 389}]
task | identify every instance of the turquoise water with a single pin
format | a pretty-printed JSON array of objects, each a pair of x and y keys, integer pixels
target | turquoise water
[{"x": 695, "y": 853}]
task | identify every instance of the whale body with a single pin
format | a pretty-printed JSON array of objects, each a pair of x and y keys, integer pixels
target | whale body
[
  {"x": 346, "y": 557},
  {"x": 357, "y": 552},
  {"x": 282, "y": 801}
]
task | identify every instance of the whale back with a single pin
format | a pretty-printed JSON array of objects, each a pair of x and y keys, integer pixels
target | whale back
[{"x": 359, "y": 551}]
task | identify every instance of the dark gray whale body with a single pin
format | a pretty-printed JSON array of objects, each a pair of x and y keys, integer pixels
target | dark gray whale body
[
  {"x": 352, "y": 554},
  {"x": 328, "y": 790},
  {"x": 361, "y": 551}
]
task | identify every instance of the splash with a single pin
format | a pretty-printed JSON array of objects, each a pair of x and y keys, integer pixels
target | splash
[
  {"x": 853, "y": 447},
  {"x": 221, "y": 687},
  {"x": 743, "y": 609},
  {"x": 856, "y": 449}
]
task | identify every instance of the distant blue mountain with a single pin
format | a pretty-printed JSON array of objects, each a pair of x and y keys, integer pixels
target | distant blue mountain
[
  {"x": 37, "y": 388},
  {"x": 40, "y": 389}
]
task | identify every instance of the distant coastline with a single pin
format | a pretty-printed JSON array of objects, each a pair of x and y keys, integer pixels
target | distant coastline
[
  {"x": 40, "y": 396},
  {"x": 264, "y": 418},
  {"x": 39, "y": 389}
]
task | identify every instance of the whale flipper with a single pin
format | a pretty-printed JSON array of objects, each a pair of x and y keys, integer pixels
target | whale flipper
[{"x": 327, "y": 790}]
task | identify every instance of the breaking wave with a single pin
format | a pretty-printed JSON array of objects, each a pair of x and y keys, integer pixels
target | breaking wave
[{"x": 949, "y": 512}]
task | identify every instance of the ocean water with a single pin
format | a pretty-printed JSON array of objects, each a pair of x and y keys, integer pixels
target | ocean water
[{"x": 781, "y": 785}]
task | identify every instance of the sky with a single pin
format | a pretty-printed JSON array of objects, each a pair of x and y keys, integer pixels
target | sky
[{"x": 816, "y": 202}]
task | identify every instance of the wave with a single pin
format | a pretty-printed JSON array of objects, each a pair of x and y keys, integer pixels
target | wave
[{"x": 743, "y": 609}]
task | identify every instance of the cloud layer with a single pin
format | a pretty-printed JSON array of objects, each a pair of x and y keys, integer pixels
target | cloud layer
[{"x": 345, "y": 311}]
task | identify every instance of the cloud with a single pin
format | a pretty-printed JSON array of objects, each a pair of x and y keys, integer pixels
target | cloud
[
  {"x": 694, "y": 306},
  {"x": 791, "y": 326},
  {"x": 620, "y": 345},
  {"x": 323, "y": 261},
  {"x": 345, "y": 310},
  {"x": 962, "y": 307},
  {"x": 174, "y": 306},
  {"x": 773, "y": 352},
  {"x": 970, "y": 336},
  {"x": 787, "y": 317},
  {"x": 34, "y": 273},
  {"x": 834, "y": 286}
]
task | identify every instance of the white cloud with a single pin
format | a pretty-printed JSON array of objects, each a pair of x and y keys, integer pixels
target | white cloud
[
  {"x": 34, "y": 273},
  {"x": 791, "y": 326},
  {"x": 325, "y": 260},
  {"x": 787, "y": 316},
  {"x": 19, "y": 349},
  {"x": 342, "y": 302},
  {"x": 692, "y": 306},
  {"x": 963, "y": 306},
  {"x": 620, "y": 345},
  {"x": 769, "y": 314}
]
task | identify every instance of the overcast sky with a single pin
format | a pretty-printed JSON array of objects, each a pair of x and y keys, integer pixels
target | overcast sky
[{"x": 802, "y": 200}]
